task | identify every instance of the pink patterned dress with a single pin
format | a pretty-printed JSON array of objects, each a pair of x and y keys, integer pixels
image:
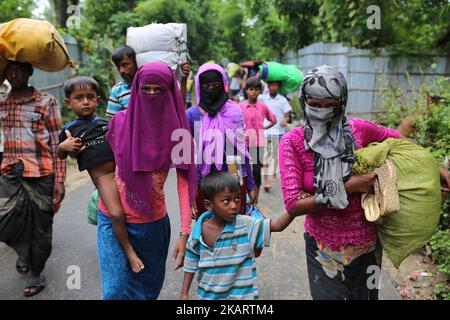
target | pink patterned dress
[{"x": 338, "y": 230}]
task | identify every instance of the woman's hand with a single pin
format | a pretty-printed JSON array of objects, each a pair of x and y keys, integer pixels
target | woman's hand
[
  {"x": 185, "y": 69},
  {"x": 179, "y": 251},
  {"x": 445, "y": 179},
  {"x": 303, "y": 195},
  {"x": 194, "y": 210},
  {"x": 445, "y": 183},
  {"x": 360, "y": 183},
  {"x": 252, "y": 196}
]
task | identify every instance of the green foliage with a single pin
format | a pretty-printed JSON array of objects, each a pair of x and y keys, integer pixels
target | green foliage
[
  {"x": 296, "y": 107},
  {"x": 298, "y": 13},
  {"x": 346, "y": 21},
  {"x": 431, "y": 130},
  {"x": 431, "y": 120},
  {"x": 13, "y": 9},
  {"x": 442, "y": 291},
  {"x": 407, "y": 27},
  {"x": 97, "y": 49},
  {"x": 440, "y": 247},
  {"x": 418, "y": 27},
  {"x": 266, "y": 29}
]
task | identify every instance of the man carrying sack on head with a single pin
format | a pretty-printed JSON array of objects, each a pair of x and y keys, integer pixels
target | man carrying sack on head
[{"x": 32, "y": 181}]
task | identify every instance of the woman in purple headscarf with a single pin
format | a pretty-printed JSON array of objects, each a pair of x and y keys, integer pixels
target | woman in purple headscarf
[
  {"x": 218, "y": 126},
  {"x": 141, "y": 140}
]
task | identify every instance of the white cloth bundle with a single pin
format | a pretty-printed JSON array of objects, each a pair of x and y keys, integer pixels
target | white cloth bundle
[
  {"x": 170, "y": 58},
  {"x": 165, "y": 43}
]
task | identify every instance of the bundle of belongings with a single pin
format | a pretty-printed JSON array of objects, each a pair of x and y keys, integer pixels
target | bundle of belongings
[
  {"x": 34, "y": 41},
  {"x": 166, "y": 43},
  {"x": 92, "y": 209},
  {"x": 406, "y": 199},
  {"x": 232, "y": 69},
  {"x": 289, "y": 75}
]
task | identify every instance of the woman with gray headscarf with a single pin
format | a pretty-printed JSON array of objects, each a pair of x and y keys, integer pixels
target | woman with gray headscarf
[{"x": 316, "y": 180}]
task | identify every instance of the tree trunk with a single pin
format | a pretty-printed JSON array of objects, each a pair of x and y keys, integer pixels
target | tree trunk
[
  {"x": 131, "y": 4},
  {"x": 61, "y": 10}
]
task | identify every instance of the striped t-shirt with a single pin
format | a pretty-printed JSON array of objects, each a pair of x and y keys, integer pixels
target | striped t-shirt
[
  {"x": 227, "y": 271},
  {"x": 118, "y": 99}
]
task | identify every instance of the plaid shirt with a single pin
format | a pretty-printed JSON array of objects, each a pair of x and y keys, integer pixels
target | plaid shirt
[{"x": 31, "y": 126}]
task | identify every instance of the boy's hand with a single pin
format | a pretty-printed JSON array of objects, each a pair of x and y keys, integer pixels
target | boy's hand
[
  {"x": 59, "y": 190},
  {"x": 72, "y": 146},
  {"x": 185, "y": 69}
]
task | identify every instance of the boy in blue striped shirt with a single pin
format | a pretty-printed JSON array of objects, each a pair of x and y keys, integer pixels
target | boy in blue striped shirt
[{"x": 221, "y": 247}]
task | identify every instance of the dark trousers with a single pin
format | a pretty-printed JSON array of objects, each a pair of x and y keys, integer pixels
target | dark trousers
[
  {"x": 257, "y": 154},
  {"x": 358, "y": 283}
]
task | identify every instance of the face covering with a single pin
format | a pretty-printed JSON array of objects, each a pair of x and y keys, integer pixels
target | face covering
[
  {"x": 212, "y": 99},
  {"x": 326, "y": 130},
  {"x": 328, "y": 135}
]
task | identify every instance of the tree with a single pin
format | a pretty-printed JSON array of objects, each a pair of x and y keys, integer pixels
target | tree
[
  {"x": 263, "y": 29},
  {"x": 13, "y": 9},
  {"x": 298, "y": 14},
  {"x": 407, "y": 26}
]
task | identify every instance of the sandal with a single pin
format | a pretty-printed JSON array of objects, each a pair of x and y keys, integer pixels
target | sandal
[
  {"x": 371, "y": 208},
  {"x": 22, "y": 267},
  {"x": 267, "y": 188},
  {"x": 36, "y": 285}
]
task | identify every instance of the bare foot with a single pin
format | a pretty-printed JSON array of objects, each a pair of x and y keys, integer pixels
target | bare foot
[{"x": 136, "y": 264}]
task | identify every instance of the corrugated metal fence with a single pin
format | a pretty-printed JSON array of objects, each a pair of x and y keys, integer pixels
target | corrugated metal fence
[{"x": 367, "y": 74}]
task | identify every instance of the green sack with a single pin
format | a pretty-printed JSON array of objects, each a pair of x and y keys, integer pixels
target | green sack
[
  {"x": 92, "y": 209},
  {"x": 418, "y": 183},
  {"x": 289, "y": 75}
]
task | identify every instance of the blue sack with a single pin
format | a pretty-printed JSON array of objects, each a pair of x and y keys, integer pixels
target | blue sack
[{"x": 253, "y": 211}]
